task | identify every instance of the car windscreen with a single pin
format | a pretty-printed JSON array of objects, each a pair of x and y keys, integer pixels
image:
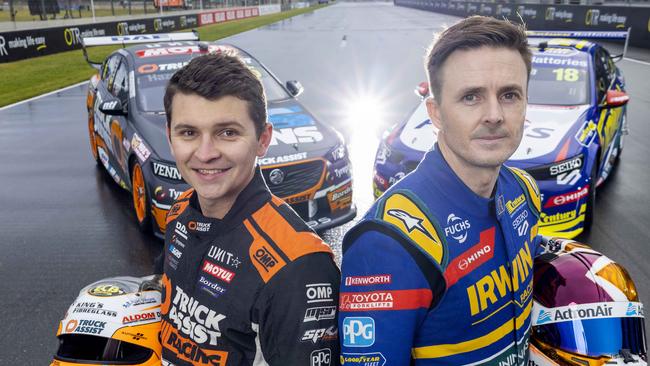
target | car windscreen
[
  {"x": 151, "y": 81},
  {"x": 559, "y": 79}
]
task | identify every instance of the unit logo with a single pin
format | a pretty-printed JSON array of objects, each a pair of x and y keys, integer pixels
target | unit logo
[
  {"x": 217, "y": 272},
  {"x": 319, "y": 292},
  {"x": 320, "y": 313},
  {"x": 321, "y": 357},
  {"x": 224, "y": 256},
  {"x": 382, "y": 279},
  {"x": 457, "y": 228},
  {"x": 358, "y": 331}
]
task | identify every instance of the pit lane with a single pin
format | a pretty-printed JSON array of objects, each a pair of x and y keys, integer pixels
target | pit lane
[{"x": 64, "y": 223}]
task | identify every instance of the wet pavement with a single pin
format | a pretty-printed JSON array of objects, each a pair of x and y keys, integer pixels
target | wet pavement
[{"x": 64, "y": 223}]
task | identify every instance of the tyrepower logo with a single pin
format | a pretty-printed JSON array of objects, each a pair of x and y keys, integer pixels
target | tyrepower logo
[
  {"x": 217, "y": 271},
  {"x": 358, "y": 331},
  {"x": 567, "y": 198},
  {"x": 382, "y": 279},
  {"x": 319, "y": 292}
]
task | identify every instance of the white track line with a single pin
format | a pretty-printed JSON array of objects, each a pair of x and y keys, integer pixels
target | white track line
[
  {"x": 42, "y": 95},
  {"x": 637, "y": 61}
]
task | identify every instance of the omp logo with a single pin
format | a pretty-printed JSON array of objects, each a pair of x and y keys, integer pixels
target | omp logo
[
  {"x": 498, "y": 284},
  {"x": 320, "y": 313},
  {"x": 457, "y": 228},
  {"x": 321, "y": 357},
  {"x": 543, "y": 317},
  {"x": 513, "y": 205},
  {"x": 72, "y": 36},
  {"x": 358, "y": 332},
  {"x": 265, "y": 258},
  {"x": 217, "y": 271},
  {"x": 319, "y": 292},
  {"x": 298, "y": 135}
]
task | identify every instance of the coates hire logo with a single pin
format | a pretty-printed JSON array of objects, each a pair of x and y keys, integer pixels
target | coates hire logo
[{"x": 457, "y": 228}]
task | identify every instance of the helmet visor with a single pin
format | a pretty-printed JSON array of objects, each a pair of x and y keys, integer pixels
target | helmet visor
[{"x": 595, "y": 333}]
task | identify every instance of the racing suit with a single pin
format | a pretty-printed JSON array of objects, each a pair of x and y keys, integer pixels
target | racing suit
[
  {"x": 257, "y": 287},
  {"x": 437, "y": 275}
]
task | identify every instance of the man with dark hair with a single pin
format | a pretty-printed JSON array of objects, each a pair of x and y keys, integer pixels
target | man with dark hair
[
  {"x": 245, "y": 281},
  {"x": 439, "y": 272}
]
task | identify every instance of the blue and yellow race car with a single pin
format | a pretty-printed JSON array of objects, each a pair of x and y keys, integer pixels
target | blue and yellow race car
[{"x": 573, "y": 133}]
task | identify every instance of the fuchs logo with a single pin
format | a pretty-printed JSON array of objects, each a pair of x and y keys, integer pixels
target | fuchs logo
[
  {"x": 543, "y": 317},
  {"x": 457, "y": 228}
]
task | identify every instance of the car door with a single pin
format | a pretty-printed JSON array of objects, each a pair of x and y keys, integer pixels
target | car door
[
  {"x": 609, "y": 118},
  {"x": 102, "y": 121},
  {"x": 119, "y": 88}
]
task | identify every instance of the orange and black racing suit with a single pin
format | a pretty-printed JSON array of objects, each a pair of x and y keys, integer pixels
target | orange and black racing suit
[{"x": 257, "y": 287}]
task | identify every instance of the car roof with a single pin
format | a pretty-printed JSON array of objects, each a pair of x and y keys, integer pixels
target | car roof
[{"x": 169, "y": 52}]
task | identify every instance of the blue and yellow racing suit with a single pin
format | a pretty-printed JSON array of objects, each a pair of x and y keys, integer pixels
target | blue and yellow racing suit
[{"x": 437, "y": 275}]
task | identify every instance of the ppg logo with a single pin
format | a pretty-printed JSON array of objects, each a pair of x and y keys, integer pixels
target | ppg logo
[
  {"x": 358, "y": 332},
  {"x": 321, "y": 357}
]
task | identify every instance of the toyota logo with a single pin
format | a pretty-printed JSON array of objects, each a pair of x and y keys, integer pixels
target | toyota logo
[{"x": 276, "y": 176}]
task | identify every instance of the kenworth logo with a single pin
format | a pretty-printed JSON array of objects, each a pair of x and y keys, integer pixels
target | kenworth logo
[{"x": 498, "y": 284}]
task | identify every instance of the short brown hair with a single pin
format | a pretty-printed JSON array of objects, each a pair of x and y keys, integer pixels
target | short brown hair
[
  {"x": 471, "y": 33},
  {"x": 215, "y": 76}
]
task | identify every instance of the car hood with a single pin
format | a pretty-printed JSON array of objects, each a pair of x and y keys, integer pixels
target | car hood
[
  {"x": 295, "y": 131},
  {"x": 545, "y": 129}
]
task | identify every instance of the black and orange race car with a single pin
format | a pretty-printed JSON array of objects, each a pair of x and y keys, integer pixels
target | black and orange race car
[{"x": 307, "y": 164}]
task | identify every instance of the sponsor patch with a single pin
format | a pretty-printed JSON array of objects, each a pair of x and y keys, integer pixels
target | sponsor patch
[
  {"x": 363, "y": 359},
  {"x": 563, "y": 199},
  {"x": 212, "y": 288},
  {"x": 600, "y": 310},
  {"x": 382, "y": 279},
  {"x": 321, "y": 357},
  {"x": 319, "y": 292},
  {"x": 224, "y": 256},
  {"x": 385, "y": 300},
  {"x": 320, "y": 313},
  {"x": 515, "y": 204},
  {"x": 358, "y": 331},
  {"x": 320, "y": 334},
  {"x": 217, "y": 271},
  {"x": 107, "y": 290},
  {"x": 471, "y": 259},
  {"x": 457, "y": 228},
  {"x": 140, "y": 149}
]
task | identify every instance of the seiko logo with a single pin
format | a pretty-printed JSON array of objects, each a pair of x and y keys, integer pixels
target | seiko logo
[
  {"x": 166, "y": 171},
  {"x": 566, "y": 166},
  {"x": 276, "y": 176},
  {"x": 457, "y": 228}
]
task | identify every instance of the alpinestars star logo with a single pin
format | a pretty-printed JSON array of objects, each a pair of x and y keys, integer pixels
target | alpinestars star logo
[{"x": 411, "y": 222}]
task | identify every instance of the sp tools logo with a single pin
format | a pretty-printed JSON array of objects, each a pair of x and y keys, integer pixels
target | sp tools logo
[{"x": 358, "y": 331}]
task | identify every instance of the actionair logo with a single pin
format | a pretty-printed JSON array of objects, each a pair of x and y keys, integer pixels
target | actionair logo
[
  {"x": 457, "y": 228},
  {"x": 543, "y": 317},
  {"x": 631, "y": 310}
]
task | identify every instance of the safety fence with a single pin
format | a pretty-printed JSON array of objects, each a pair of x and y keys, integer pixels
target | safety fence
[
  {"x": 20, "y": 45},
  {"x": 551, "y": 17}
]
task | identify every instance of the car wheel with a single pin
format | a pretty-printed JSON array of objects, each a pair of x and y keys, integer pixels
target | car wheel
[
  {"x": 591, "y": 198},
  {"x": 93, "y": 139},
  {"x": 140, "y": 197}
]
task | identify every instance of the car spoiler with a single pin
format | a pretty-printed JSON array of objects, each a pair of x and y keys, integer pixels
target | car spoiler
[
  {"x": 133, "y": 39},
  {"x": 611, "y": 35}
]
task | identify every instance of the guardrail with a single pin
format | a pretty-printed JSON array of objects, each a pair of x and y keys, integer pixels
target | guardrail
[
  {"x": 20, "y": 45},
  {"x": 551, "y": 17}
]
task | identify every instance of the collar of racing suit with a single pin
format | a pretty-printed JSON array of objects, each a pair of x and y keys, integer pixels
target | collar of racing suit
[
  {"x": 440, "y": 175},
  {"x": 250, "y": 199}
]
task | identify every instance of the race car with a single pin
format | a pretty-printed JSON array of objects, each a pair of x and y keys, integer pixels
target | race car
[
  {"x": 573, "y": 133},
  {"x": 307, "y": 163}
]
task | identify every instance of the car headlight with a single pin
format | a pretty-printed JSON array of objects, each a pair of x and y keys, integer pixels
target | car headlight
[{"x": 550, "y": 171}]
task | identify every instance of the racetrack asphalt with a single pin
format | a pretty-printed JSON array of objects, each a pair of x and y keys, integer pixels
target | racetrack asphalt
[{"x": 64, "y": 223}]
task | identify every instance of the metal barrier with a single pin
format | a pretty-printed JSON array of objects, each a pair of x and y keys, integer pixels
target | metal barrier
[{"x": 551, "y": 17}]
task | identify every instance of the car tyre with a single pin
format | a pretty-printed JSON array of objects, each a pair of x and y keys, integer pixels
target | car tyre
[
  {"x": 591, "y": 198},
  {"x": 140, "y": 196}
]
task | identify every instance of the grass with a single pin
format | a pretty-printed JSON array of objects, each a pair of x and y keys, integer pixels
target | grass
[{"x": 24, "y": 79}]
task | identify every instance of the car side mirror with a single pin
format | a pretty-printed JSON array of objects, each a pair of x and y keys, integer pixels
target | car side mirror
[
  {"x": 112, "y": 107},
  {"x": 294, "y": 87},
  {"x": 422, "y": 90},
  {"x": 616, "y": 98}
]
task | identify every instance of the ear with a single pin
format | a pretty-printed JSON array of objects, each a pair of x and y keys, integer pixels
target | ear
[
  {"x": 265, "y": 140},
  {"x": 433, "y": 110}
]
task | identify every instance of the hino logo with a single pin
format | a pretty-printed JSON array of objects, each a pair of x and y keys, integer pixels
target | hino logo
[
  {"x": 166, "y": 171},
  {"x": 457, "y": 228}
]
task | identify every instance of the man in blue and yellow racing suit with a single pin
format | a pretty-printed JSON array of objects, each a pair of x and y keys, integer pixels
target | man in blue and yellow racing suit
[{"x": 439, "y": 272}]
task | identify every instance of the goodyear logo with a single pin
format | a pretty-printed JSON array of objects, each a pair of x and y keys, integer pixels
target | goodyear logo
[
  {"x": 363, "y": 359},
  {"x": 513, "y": 205},
  {"x": 405, "y": 214}
]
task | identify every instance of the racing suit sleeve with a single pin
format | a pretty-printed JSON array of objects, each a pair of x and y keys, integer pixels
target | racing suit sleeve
[
  {"x": 385, "y": 296},
  {"x": 297, "y": 311}
]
